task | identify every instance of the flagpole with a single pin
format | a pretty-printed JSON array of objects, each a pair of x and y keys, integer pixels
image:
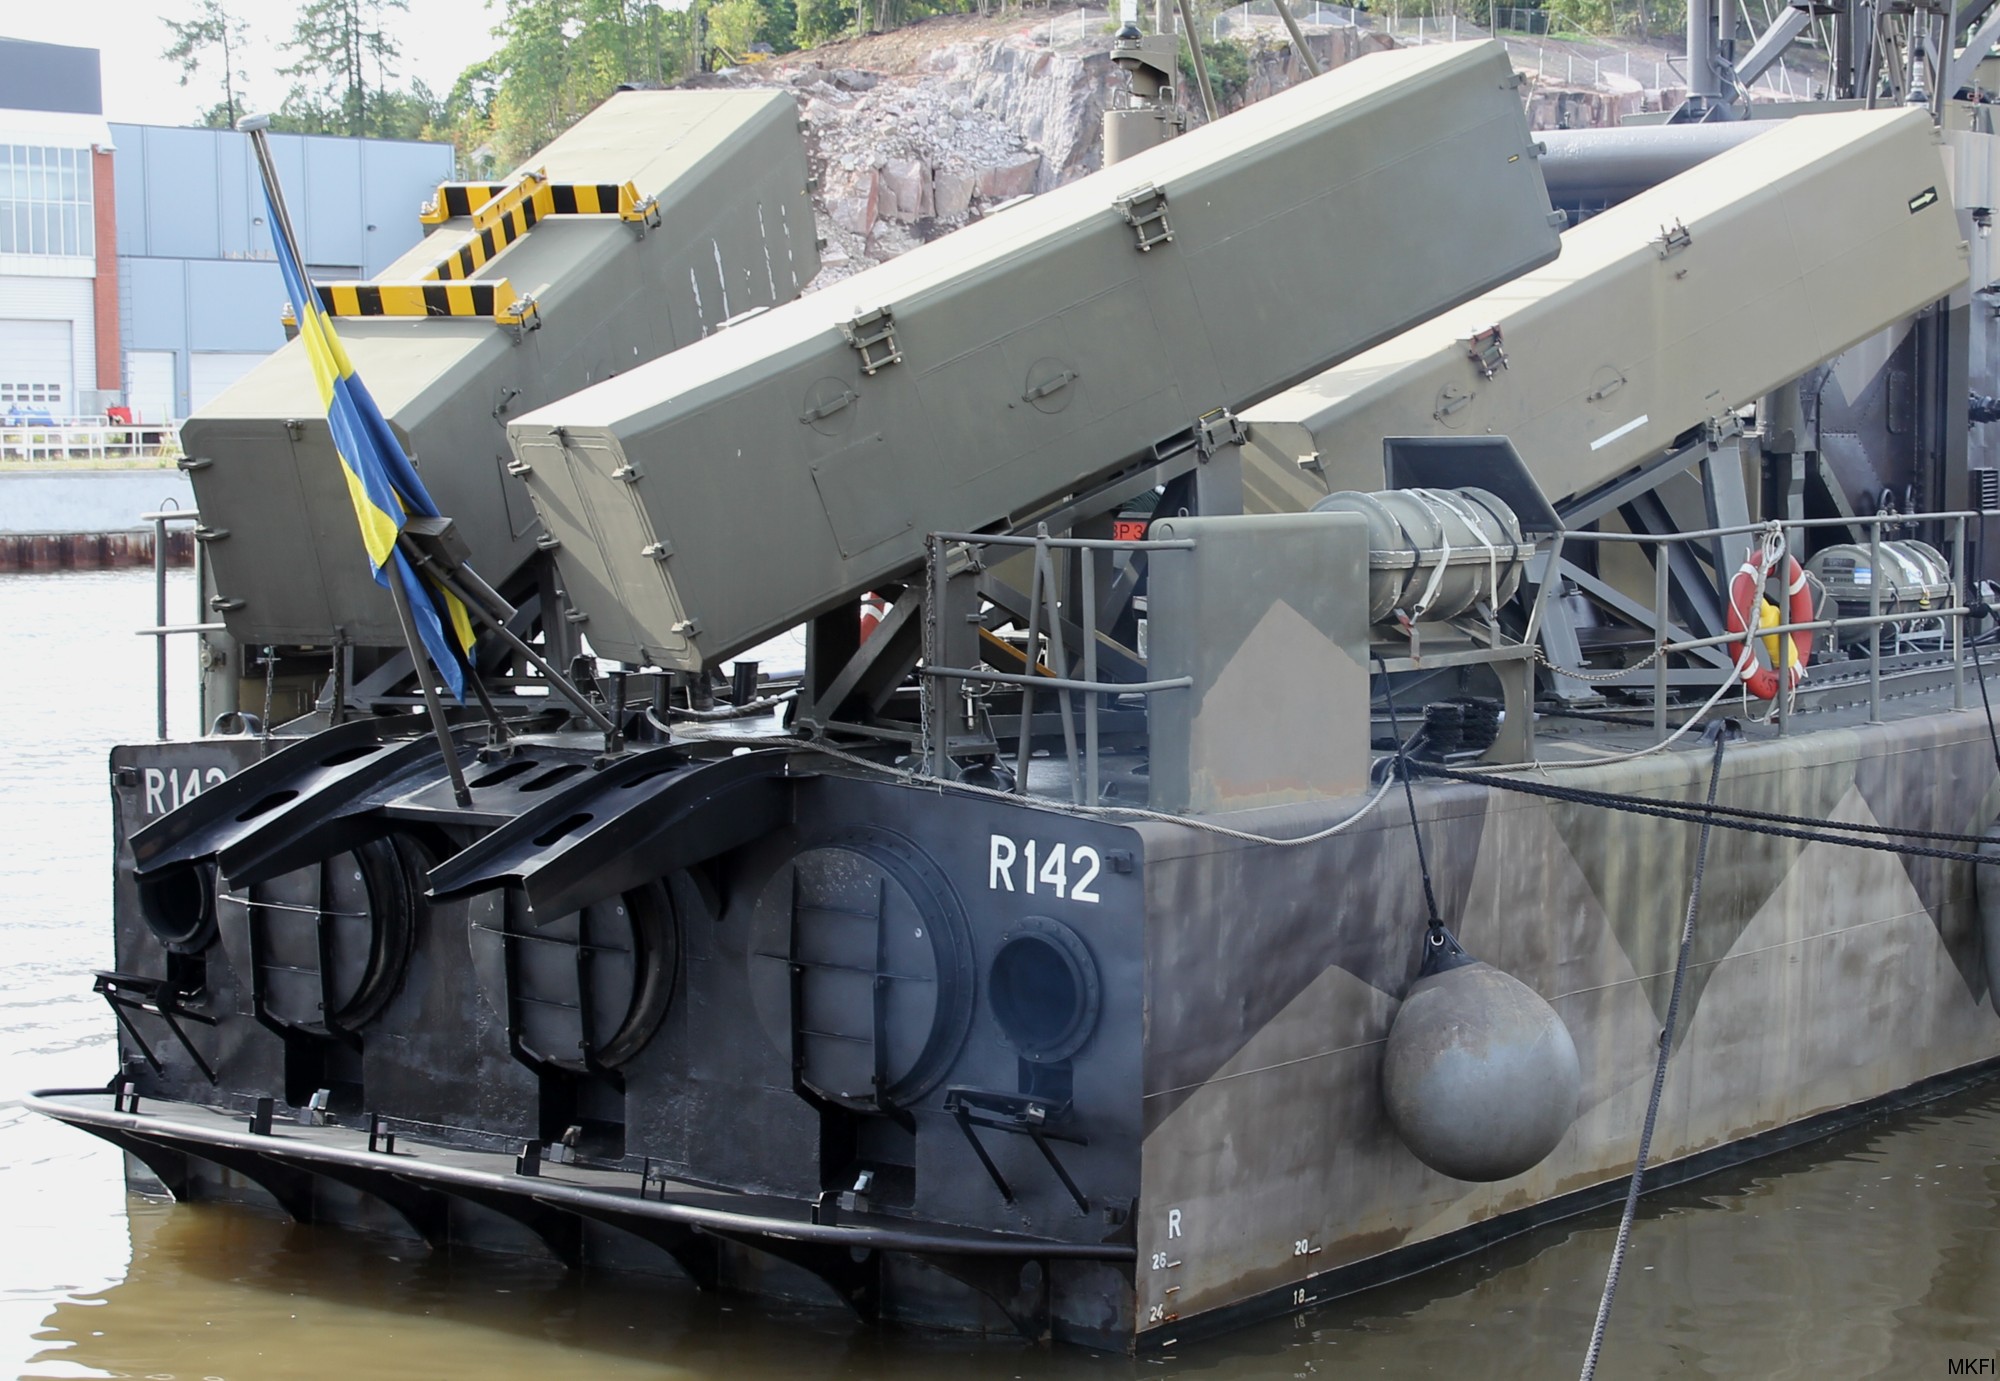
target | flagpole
[
  {"x": 256, "y": 126},
  {"x": 435, "y": 707}
]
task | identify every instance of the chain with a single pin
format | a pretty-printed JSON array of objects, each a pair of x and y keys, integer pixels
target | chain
[
  {"x": 270, "y": 684},
  {"x": 1596, "y": 676}
]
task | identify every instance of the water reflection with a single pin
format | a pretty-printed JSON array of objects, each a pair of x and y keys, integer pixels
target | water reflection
[{"x": 1877, "y": 1253}]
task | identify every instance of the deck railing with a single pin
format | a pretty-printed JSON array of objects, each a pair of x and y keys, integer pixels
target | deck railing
[
  {"x": 1044, "y": 672},
  {"x": 1665, "y": 645},
  {"x": 86, "y": 441}
]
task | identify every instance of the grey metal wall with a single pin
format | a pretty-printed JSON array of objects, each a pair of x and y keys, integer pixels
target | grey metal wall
[
  {"x": 194, "y": 252},
  {"x": 49, "y": 76}
]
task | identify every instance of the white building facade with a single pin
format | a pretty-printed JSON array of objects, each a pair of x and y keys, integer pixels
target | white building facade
[{"x": 136, "y": 267}]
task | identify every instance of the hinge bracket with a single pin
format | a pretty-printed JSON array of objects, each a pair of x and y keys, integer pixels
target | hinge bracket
[
  {"x": 1672, "y": 242},
  {"x": 1218, "y": 429},
  {"x": 1145, "y": 210},
  {"x": 1488, "y": 354},
  {"x": 873, "y": 336}
]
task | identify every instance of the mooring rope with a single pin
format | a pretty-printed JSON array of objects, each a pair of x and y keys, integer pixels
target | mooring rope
[
  {"x": 1115, "y": 813},
  {"x": 1402, "y": 769},
  {"x": 1632, "y": 1192},
  {"x": 1980, "y": 609},
  {"x": 1728, "y": 817}
]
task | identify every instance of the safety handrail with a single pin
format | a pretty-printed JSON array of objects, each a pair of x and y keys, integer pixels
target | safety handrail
[
  {"x": 161, "y": 629},
  {"x": 940, "y": 682},
  {"x": 1874, "y": 620}
]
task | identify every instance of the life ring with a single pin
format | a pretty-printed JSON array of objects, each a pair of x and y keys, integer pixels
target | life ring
[
  {"x": 1746, "y": 598},
  {"x": 873, "y": 610}
]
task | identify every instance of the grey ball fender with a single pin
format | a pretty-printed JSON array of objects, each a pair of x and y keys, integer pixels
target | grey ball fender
[{"x": 1480, "y": 1076}]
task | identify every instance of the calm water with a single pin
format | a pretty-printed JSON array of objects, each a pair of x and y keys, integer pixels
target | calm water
[{"x": 1877, "y": 1254}]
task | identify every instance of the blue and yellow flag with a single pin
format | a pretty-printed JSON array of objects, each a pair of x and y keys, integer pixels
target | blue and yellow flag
[{"x": 384, "y": 485}]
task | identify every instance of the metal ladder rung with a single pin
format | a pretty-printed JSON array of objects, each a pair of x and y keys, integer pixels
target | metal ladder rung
[
  {"x": 845, "y": 968},
  {"x": 842, "y": 911},
  {"x": 546, "y": 1002}
]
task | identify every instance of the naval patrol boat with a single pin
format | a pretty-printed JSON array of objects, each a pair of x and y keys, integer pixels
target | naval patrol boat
[{"x": 1279, "y": 615}]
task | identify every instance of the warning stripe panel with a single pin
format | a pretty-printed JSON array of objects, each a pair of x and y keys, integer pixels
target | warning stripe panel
[
  {"x": 502, "y": 212},
  {"x": 454, "y": 200},
  {"x": 488, "y": 298}
]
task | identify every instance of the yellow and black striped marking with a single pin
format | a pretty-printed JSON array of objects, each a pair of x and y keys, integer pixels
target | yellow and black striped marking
[
  {"x": 491, "y": 298},
  {"x": 455, "y": 199},
  {"x": 476, "y": 199}
]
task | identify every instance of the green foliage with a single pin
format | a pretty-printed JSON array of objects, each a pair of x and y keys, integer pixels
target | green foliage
[
  {"x": 820, "y": 20},
  {"x": 733, "y": 25},
  {"x": 213, "y": 38},
  {"x": 341, "y": 51},
  {"x": 1228, "y": 67},
  {"x": 557, "y": 60},
  {"x": 1584, "y": 16}
]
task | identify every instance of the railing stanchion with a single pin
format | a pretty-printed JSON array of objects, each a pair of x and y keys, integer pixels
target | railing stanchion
[
  {"x": 1875, "y": 615},
  {"x": 1958, "y": 601},
  {"x": 160, "y": 620},
  {"x": 1661, "y": 622},
  {"x": 1088, "y": 596},
  {"x": 1032, "y": 659}
]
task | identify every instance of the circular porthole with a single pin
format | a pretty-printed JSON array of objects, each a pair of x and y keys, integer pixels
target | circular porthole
[{"x": 1044, "y": 990}]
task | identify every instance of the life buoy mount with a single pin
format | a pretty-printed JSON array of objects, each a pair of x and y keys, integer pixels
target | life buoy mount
[{"x": 1746, "y": 599}]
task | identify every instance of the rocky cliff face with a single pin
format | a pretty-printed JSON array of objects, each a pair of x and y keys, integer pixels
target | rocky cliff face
[{"x": 913, "y": 134}]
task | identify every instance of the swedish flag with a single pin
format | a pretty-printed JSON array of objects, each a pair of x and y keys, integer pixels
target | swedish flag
[{"x": 384, "y": 485}]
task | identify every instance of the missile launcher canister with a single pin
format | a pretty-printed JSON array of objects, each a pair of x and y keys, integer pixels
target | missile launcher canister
[
  {"x": 1673, "y": 308},
  {"x": 655, "y": 218},
  {"x": 1102, "y": 328}
]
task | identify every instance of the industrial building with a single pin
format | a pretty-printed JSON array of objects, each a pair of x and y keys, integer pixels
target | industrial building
[{"x": 135, "y": 260}]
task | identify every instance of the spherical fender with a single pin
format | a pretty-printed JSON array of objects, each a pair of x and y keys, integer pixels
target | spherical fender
[{"x": 1480, "y": 1076}]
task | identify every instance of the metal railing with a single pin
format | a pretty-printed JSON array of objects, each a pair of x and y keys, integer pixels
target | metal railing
[
  {"x": 1665, "y": 645},
  {"x": 1045, "y": 671},
  {"x": 87, "y": 440},
  {"x": 161, "y": 629}
]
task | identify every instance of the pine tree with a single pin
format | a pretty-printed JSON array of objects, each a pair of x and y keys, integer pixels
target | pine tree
[
  {"x": 342, "y": 52},
  {"x": 213, "y": 35}
]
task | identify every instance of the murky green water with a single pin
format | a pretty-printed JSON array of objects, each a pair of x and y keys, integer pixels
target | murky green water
[{"x": 1875, "y": 1254}]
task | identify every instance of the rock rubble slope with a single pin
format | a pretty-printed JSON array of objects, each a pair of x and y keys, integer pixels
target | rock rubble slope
[{"x": 912, "y": 134}]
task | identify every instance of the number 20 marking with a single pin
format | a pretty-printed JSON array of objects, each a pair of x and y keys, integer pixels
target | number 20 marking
[{"x": 1051, "y": 872}]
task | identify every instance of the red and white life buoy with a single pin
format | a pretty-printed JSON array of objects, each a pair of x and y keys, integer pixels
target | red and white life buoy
[
  {"x": 1746, "y": 596},
  {"x": 873, "y": 609}
]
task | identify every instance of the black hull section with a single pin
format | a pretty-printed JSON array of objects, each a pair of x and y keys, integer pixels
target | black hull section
[{"x": 716, "y": 1239}]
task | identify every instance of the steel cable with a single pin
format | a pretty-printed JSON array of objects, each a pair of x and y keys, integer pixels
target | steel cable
[
  {"x": 1633, "y": 1191},
  {"x": 1728, "y": 817}
]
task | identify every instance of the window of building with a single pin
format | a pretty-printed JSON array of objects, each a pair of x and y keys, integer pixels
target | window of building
[
  {"x": 45, "y": 201},
  {"x": 45, "y": 396}
]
